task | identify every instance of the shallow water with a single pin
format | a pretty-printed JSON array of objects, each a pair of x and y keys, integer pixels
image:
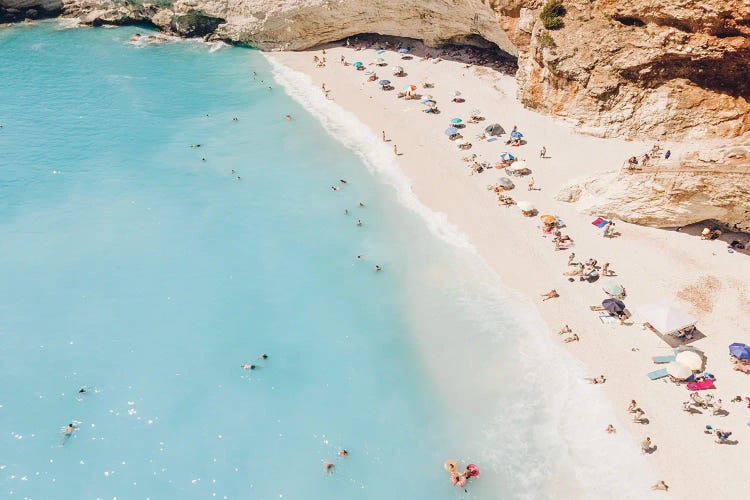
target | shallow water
[{"x": 134, "y": 268}]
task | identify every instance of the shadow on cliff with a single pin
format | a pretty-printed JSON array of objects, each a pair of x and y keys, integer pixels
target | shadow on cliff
[
  {"x": 477, "y": 51},
  {"x": 727, "y": 237}
]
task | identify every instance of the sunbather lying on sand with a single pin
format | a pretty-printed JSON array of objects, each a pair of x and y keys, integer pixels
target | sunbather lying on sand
[
  {"x": 597, "y": 380},
  {"x": 565, "y": 329},
  {"x": 572, "y": 338},
  {"x": 550, "y": 295}
]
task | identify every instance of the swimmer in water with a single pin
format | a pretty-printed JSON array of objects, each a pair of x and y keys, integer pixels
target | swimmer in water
[
  {"x": 235, "y": 119},
  {"x": 359, "y": 222},
  {"x": 247, "y": 366},
  {"x": 233, "y": 171},
  {"x": 330, "y": 467},
  {"x": 377, "y": 268},
  {"x": 68, "y": 432},
  {"x": 342, "y": 181},
  {"x": 361, "y": 204},
  {"x": 288, "y": 117},
  {"x": 334, "y": 188},
  {"x": 203, "y": 159},
  {"x": 82, "y": 390},
  {"x": 359, "y": 257},
  {"x": 343, "y": 453},
  {"x": 264, "y": 356},
  {"x": 346, "y": 211},
  {"x": 239, "y": 178},
  {"x": 195, "y": 145}
]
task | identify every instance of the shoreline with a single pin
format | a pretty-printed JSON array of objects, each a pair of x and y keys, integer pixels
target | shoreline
[{"x": 513, "y": 247}]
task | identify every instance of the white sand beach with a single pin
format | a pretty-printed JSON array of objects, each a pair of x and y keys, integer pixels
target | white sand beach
[{"x": 702, "y": 277}]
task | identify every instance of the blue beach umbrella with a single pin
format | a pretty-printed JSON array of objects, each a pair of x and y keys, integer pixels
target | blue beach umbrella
[
  {"x": 403, "y": 50},
  {"x": 516, "y": 134},
  {"x": 451, "y": 131},
  {"x": 384, "y": 82},
  {"x": 456, "y": 121},
  {"x": 358, "y": 64},
  {"x": 507, "y": 156},
  {"x": 739, "y": 350}
]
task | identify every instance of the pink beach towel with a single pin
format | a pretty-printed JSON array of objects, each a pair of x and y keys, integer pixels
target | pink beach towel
[{"x": 699, "y": 386}]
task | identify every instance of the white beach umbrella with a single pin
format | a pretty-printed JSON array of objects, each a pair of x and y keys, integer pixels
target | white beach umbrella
[
  {"x": 379, "y": 61},
  {"x": 525, "y": 206},
  {"x": 427, "y": 97},
  {"x": 691, "y": 359},
  {"x": 678, "y": 370},
  {"x": 397, "y": 70},
  {"x": 666, "y": 317},
  {"x": 457, "y": 93},
  {"x": 519, "y": 164}
]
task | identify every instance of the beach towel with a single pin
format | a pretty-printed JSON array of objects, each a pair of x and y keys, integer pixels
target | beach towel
[
  {"x": 606, "y": 319},
  {"x": 656, "y": 375},
  {"x": 599, "y": 222},
  {"x": 699, "y": 386},
  {"x": 492, "y": 139},
  {"x": 663, "y": 359}
]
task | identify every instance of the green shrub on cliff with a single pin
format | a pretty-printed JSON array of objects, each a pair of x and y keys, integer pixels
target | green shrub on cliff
[{"x": 552, "y": 14}]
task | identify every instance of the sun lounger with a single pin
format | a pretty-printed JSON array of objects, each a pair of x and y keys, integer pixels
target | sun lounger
[
  {"x": 663, "y": 359},
  {"x": 700, "y": 386},
  {"x": 656, "y": 375}
]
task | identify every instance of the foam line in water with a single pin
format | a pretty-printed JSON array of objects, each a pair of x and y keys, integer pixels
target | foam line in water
[{"x": 346, "y": 128}]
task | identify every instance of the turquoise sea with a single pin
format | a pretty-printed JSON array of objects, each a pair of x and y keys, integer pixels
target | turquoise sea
[{"x": 148, "y": 271}]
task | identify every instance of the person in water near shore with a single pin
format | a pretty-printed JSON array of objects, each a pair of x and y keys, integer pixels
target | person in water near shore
[
  {"x": 235, "y": 119},
  {"x": 247, "y": 366},
  {"x": 359, "y": 257},
  {"x": 330, "y": 468},
  {"x": 68, "y": 432},
  {"x": 377, "y": 268},
  {"x": 343, "y": 453},
  {"x": 550, "y": 295},
  {"x": 359, "y": 222},
  {"x": 288, "y": 117},
  {"x": 342, "y": 181},
  {"x": 82, "y": 390},
  {"x": 361, "y": 204},
  {"x": 195, "y": 146},
  {"x": 263, "y": 356}
]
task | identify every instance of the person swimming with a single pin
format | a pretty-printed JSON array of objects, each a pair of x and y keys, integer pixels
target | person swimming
[
  {"x": 82, "y": 390},
  {"x": 342, "y": 181},
  {"x": 235, "y": 119},
  {"x": 264, "y": 356},
  {"x": 288, "y": 117},
  {"x": 359, "y": 222},
  {"x": 377, "y": 268},
  {"x": 195, "y": 145},
  {"x": 247, "y": 366},
  {"x": 343, "y": 453},
  {"x": 330, "y": 468}
]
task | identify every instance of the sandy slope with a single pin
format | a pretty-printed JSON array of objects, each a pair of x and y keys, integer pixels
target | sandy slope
[{"x": 651, "y": 263}]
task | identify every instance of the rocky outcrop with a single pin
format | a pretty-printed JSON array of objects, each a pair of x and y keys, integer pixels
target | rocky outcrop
[
  {"x": 710, "y": 185},
  {"x": 16, "y": 10},
  {"x": 675, "y": 69}
]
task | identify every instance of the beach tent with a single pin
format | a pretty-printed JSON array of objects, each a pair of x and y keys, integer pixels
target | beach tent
[
  {"x": 739, "y": 350},
  {"x": 666, "y": 318},
  {"x": 494, "y": 129}
]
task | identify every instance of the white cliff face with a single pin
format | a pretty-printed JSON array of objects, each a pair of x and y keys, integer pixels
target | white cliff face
[{"x": 699, "y": 187}]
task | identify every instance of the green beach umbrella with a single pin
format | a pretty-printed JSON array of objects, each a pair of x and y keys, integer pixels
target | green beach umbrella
[{"x": 613, "y": 288}]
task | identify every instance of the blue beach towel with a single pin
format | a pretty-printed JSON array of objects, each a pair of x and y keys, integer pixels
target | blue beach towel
[
  {"x": 663, "y": 359},
  {"x": 656, "y": 375}
]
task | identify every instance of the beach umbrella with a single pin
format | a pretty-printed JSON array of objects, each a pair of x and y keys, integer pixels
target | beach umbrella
[
  {"x": 456, "y": 121},
  {"x": 384, "y": 82},
  {"x": 613, "y": 288},
  {"x": 519, "y": 164},
  {"x": 429, "y": 103},
  {"x": 507, "y": 156},
  {"x": 505, "y": 182},
  {"x": 494, "y": 129},
  {"x": 739, "y": 350},
  {"x": 476, "y": 112},
  {"x": 666, "y": 317},
  {"x": 451, "y": 131},
  {"x": 526, "y": 206},
  {"x": 397, "y": 70},
  {"x": 379, "y": 61},
  {"x": 457, "y": 93},
  {"x": 403, "y": 50},
  {"x": 691, "y": 359},
  {"x": 613, "y": 306},
  {"x": 548, "y": 219},
  {"x": 516, "y": 134},
  {"x": 428, "y": 97},
  {"x": 678, "y": 370},
  {"x": 411, "y": 88},
  {"x": 358, "y": 64}
]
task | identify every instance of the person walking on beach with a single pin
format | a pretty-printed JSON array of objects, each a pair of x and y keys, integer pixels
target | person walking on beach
[
  {"x": 605, "y": 269},
  {"x": 382, "y": 134},
  {"x": 395, "y": 150},
  {"x": 543, "y": 152},
  {"x": 531, "y": 184}
]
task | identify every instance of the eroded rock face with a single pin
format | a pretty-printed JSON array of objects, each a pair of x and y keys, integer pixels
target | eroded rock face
[
  {"x": 659, "y": 69},
  {"x": 712, "y": 184}
]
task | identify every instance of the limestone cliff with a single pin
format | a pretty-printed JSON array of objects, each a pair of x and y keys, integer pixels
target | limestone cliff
[{"x": 708, "y": 185}]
